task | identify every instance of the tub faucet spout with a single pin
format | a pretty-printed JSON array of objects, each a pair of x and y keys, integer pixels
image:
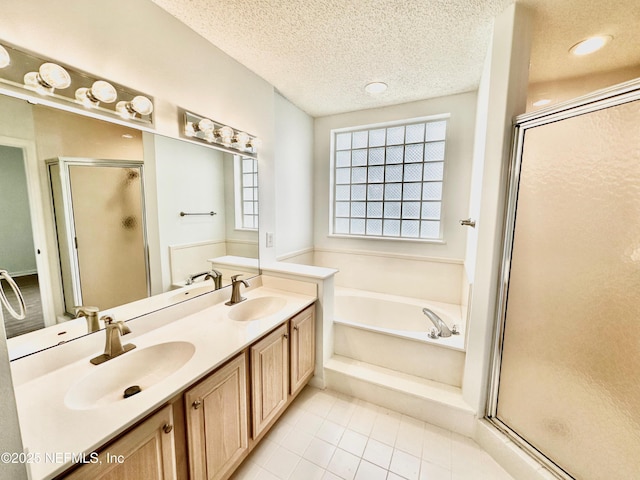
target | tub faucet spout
[{"x": 443, "y": 330}]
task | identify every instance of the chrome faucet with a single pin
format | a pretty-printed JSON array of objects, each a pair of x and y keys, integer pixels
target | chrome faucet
[
  {"x": 443, "y": 330},
  {"x": 235, "y": 290},
  {"x": 113, "y": 346},
  {"x": 91, "y": 315}
]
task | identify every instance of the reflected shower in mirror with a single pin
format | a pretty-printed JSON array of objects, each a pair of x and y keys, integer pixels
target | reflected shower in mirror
[{"x": 57, "y": 208}]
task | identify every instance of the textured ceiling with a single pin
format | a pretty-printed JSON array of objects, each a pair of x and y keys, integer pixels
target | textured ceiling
[{"x": 321, "y": 53}]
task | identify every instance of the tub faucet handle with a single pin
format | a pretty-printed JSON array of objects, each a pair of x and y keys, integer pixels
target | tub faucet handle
[{"x": 433, "y": 332}]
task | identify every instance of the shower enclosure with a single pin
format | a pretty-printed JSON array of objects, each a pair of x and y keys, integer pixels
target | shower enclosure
[
  {"x": 100, "y": 225},
  {"x": 565, "y": 381}
]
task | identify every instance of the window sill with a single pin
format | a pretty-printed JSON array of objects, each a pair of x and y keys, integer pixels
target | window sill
[{"x": 435, "y": 241}]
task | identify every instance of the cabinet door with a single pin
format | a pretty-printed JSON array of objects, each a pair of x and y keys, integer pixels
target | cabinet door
[
  {"x": 146, "y": 452},
  {"x": 217, "y": 421},
  {"x": 269, "y": 377},
  {"x": 303, "y": 348}
]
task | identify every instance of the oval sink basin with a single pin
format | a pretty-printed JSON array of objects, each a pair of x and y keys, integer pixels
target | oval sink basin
[
  {"x": 140, "y": 367},
  {"x": 194, "y": 292},
  {"x": 256, "y": 308}
]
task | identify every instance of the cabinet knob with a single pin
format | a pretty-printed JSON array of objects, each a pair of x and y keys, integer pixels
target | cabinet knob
[
  {"x": 167, "y": 428},
  {"x": 286, "y": 336},
  {"x": 196, "y": 404},
  {"x": 295, "y": 328}
]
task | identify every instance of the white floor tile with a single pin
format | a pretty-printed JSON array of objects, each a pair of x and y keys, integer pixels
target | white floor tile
[
  {"x": 410, "y": 438},
  {"x": 329, "y": 436},
  {"x": 437, "y": 446},
  {"x": 263, "y": 452},
  {"x": 344, "y": 464},
  {"x": 319, "y": 452},
  {"x": 265, "y": 475},
  {"x": 353, "y": 442},
  {"x": 330, "y": 476},
  {"x": 248, "y": 470},
  {"x": 305, "y": 470},
  {"x": 279, "y": 431},
  {"x": 405, "y": 465},
  {"x": 309, "y": 422},
  {"x": 431, "y": 471},
  {"x": 341, "y": 412},
  {"x": 385, "y": 430},
  {"x": 362, "y": 420},
  {"x": 378, "y": 453},
  {"x": 297, "y": 441},
  {"x": 369, "y": 471},
  {"x": 282, "y": 463},
  {"x": 330, "y": 432},
  {"x": 393, "y": 476}
]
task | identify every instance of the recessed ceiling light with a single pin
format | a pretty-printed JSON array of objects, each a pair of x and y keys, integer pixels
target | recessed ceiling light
[
  {"x": 590, "y": 45},
  {"x": 375, "y": 87},
  {"x": 128, "y": 136},
  {"x": 542, "y": 102}
]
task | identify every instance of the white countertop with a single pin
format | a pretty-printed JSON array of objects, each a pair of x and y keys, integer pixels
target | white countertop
[{"x": 49, "y": 427}]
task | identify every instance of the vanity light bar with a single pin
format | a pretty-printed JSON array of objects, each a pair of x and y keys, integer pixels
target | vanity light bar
[
  {"x": 204, "y": 129},
  {"x": 28, "y": 75}
]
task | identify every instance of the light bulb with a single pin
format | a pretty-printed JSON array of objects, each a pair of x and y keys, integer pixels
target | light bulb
[
  {"x": 54, "y": 76},
  {"x": 542, "y": 102},
  {"x": 5, "y": 59},
  {"x": 103, "y": 92},
  {"x": 100, "y": 91},
  {"x": 375, "y": 87},
  {"x": 225, "y": 133},
  {"x": 189, "y": 130},
  {"x": 255, "y": 143},
  {"x": 242, "y": 139},
  {"x": 142, "y": 105},
  {"x": 590, "y": 45},
  {"x": 123, "y": 110},
  {"x": 48, "y": 77},
  {"x": 206, "y": 126},
  {"x": 139, "y": 104}
]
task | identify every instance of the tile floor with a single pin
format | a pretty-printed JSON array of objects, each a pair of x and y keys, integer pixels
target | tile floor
[{"x": 325, "y": 435}]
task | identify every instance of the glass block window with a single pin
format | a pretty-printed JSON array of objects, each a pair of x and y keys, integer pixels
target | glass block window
[
  {"x": 388, "y": 180},
  {"x": 247, "y": 193}
]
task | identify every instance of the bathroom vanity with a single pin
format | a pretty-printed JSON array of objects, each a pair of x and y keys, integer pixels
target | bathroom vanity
[{"x": 212, "y": 384}]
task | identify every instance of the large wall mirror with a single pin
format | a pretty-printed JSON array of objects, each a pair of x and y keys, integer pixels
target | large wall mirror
[{"x": 98, "y": 214}]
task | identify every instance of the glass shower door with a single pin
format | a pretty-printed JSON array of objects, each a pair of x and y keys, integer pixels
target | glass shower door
[
  {"x": 569, "y": 381},
  {"x": 100, "y": 227}
]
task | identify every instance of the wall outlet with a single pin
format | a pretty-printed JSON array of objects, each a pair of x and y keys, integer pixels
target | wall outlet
[{"x": 269, "y": 239}]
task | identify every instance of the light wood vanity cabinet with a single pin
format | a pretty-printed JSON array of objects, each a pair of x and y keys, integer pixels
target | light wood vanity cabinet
[
  {"x": 147, "y": 451},
  {"x": 303, "y": 348},
  {"x": 217, "y": 421},
  {"x": 250, "y": 390},
  {"x": 269, "y": 377}
]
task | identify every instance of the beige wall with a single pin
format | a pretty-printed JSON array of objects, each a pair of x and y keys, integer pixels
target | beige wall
[{"x": 562, "y": 90}]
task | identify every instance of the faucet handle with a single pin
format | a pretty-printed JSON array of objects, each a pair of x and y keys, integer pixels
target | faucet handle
[
  {"x": 234, "y": 278},
  {"x": 107, "y": 319}
]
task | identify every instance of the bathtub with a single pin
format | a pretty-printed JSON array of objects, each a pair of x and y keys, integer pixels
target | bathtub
[{"x": 392, "y": 332}]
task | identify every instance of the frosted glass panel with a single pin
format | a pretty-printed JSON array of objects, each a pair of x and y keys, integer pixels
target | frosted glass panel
[
  {"x": 569, "y": 381},
  {"x": 111, "y": 255}
]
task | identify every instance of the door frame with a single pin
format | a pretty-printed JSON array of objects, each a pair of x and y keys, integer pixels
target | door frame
[
  {"x": 38, "y": 224},
  {"x": 610, "y": 97},
  {"x": 65, "y": 163}
]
